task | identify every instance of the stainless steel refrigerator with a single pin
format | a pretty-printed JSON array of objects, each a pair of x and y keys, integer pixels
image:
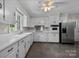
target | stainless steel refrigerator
[{"x": 67, "y": 32}]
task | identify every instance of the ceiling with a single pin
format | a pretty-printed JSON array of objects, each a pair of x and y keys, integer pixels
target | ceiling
[{"x": 33, "y": 7}]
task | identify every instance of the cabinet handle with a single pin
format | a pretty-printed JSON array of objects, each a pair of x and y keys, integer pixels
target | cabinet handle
[
  {"x": 22, "y": 41},
  {"x": 25, "y": 45},
  {"x": 10, "y": 50}
]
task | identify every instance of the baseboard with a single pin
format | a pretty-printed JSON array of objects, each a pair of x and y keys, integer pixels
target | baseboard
[
  {"x": 48, "y": 42},
  {"x": 77, "y": 42}
]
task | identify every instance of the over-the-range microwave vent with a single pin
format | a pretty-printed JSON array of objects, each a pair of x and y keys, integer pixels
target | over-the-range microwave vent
[{"x": 54, "y": 25}]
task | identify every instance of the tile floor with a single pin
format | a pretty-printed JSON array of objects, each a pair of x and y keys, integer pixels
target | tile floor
[{"x": 51, "y": 50}]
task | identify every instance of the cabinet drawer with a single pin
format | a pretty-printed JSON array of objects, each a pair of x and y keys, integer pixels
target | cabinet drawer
[
  {"x": 8, "y": 50},
  {"x": 21, "y": 42},
  {"x": 14, "y": 54}
]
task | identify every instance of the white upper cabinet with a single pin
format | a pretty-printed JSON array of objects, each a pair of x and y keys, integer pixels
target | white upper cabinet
[
  {"x": 1, "y": 9},
  {"x": 10, "y": 8}
]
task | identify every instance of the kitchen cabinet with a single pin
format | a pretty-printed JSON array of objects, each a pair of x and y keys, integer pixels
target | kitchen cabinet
[
  {"x": 22, "y": 48},
  {"x": 9, "y": 51},
  {"x": 29, "y": 42},
  {"x": 14, "y": 54},
  {"x": 24, "y": 45},
  {"x": 53, "y": 37},
  {"x": 1, "y": 10},
  {"x": 41, "y": 36},
  {"x": 18, "y": 49},
  {"x": 46, "y": 37},
  {"x": 10, "y": 8}
]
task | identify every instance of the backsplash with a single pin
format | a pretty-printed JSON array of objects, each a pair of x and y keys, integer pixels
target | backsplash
[{"x": 4, "y": 28}]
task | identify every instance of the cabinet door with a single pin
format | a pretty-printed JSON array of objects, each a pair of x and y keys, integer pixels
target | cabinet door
[
  {"x": 22, "y": 49},
  {"x": 27, "y": 46},
  {"x": 53, "y": 37},
  {"x": 21, "y": 52},
  {"x": 36, "y": 37},
  {"x": 1, "y": 9},
  {"x": 10, "y": 7},
  {"x": 41, "y": 37},
  {"x": 29, "y": 41},
  {"x": 14, "y": 54}
]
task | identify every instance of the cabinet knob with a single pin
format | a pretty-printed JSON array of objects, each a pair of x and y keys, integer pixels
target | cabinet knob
[{"x": 22, "y": 41}]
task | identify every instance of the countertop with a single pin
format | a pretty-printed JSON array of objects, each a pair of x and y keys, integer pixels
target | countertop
[{"x": 8, "y": 40}]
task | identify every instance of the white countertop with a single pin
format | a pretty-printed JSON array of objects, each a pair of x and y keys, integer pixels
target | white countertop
[{"x": 6, "y": 41}]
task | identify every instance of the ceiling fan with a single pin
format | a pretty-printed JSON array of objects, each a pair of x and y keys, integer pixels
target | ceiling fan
[{"x": 47, "y": 5}]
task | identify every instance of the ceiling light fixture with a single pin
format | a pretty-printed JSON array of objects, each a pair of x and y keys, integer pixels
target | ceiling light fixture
[{"x": 47, "y": 5}]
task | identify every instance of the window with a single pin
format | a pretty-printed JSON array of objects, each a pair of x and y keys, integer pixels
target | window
[{"x": 19, "y": 20}]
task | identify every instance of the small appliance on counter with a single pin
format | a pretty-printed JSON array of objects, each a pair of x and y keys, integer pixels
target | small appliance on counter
[{"x": 66, "y": 32}]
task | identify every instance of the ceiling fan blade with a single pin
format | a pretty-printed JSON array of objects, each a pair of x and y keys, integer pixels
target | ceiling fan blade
[{"x": 59, "y": 2}]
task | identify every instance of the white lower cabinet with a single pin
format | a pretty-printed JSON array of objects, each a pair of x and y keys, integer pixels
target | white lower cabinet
[
  {"x": 41, "y": 36},
  {"x": 14, "y": 54},
  {"x": 22, "y": 49},
  {"x": 11, "y": 50},
  {"x": 46, "y": 37},
  {"x": 18, "y": 49},
  {"x": 29, "y": 41},
  {"x": 53, "y": 37},
  {"x": 24, "y": 45}
]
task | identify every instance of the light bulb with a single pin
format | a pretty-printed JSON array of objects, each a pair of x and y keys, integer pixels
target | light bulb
[
  {"x": 49, "y": 9},
  {"x": 46, "y": 9},
  {"x": 44, "y": 5}
]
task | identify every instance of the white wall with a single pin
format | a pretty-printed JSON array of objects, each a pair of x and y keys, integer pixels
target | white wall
[{"x": 47, "y": 21}]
